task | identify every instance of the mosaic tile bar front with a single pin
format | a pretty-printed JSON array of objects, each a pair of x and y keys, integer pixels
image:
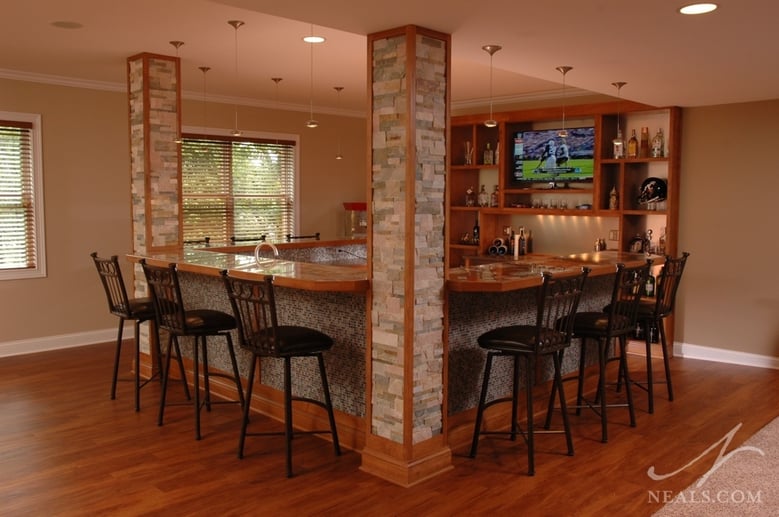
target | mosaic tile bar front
[{"x": 343, "y": 317}]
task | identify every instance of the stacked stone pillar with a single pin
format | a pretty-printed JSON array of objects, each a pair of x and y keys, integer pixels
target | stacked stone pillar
[
  {"x": 154, "y": 96},
  {"x": 409, "y": 101}
]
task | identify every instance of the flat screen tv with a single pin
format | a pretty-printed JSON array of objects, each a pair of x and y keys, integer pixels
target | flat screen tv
[{"x": 540, "y": 155}]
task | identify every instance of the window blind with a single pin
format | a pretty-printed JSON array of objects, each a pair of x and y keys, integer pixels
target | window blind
[
  {"x": 241, "y": 188},
  {"x": 18, "y": 246}
]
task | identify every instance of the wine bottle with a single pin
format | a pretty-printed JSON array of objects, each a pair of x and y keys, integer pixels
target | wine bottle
[
  {"x": 649, "y": 286},
  {"x": 522, "y": 242},
  {"x": 633, "y": 145},
  {"x": 476, "y": 230},
  {"x": 529, "y": 242}
]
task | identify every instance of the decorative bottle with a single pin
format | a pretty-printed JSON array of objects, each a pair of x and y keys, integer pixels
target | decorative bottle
[
  {"x": 613, "y": 199},
  {"x": 633, "y": 145},
  {"x": 643, "y": 146},
  {"x": 618, "y": 146},
  {"x": 658, "y": 144},
  {"x": 476, "y": 231},
  {"x": 484, "y": 198},
  {"x": 494, "y": 197},
  {"x": 488, "y": 155}
]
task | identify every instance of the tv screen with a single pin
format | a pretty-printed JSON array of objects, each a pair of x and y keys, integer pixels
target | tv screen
[{"x": 543, "y": 156}]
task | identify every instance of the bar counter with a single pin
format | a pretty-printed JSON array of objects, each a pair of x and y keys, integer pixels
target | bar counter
[
  {"x": 479, "y": 274},
  {"x": 324, "y": 285}
]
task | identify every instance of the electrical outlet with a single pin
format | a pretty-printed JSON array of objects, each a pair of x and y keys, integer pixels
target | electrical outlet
[{"x": 613, "y": 235}]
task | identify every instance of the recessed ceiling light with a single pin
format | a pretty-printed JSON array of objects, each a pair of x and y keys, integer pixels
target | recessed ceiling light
[
  {"x": 698, "y": 8},
  {"x": 313, "y": 39},
  {"x": 67, "y": 25}
]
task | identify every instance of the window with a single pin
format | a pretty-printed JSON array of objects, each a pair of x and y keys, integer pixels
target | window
[
  {"x": 21, "y": 197},
  {"x": 237, "y": 187}
]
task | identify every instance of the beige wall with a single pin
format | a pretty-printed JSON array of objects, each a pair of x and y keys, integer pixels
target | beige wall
[
  {"x": 729, "y": 298},
  {"x": 87, "y": 199},
  {"x": 729, "y": 183}
]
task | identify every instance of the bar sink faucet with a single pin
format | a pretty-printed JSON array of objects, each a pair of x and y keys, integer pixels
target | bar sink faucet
[{"x": 259, "y": 248}]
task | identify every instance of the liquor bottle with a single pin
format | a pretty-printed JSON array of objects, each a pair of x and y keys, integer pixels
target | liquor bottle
[
  {"x": 522, "y": 241},
  {"x": 476, "y": 231},
  {"x": 529, "y": 242},
  {"x": 470, "y": 197},
  {"x": 643, "y": 147},
  {"x": 649, "y": 286},
  {"x": 633, "y": 145},
  {"x": 488, "y": 155},
  {"x": 618, "y": 145},
  {"x": 658, "y": 144},
  {"x": 484, "y": 198},
  {"x": 661, "y": 243},
  {"x": 494, "y": 197}
]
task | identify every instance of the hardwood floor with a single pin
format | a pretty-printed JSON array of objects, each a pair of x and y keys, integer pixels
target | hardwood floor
[{"x": 66, "y": 449}]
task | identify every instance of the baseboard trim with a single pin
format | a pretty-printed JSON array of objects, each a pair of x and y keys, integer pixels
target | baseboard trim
[
  {"x": 721, "y": 355},
  {"x": 43, "y": 344}
]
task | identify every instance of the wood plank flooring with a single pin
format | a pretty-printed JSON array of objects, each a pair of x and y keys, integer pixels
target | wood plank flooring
[{"x": 66, "y": 449}]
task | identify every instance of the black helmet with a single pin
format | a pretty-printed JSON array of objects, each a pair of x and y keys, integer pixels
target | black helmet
[{"x": 653, "y": 190}]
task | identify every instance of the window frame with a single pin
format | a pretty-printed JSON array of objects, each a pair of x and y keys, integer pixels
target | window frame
[
  {"x": 222, "y": 134},
  {"x": 39, "y": 271}
]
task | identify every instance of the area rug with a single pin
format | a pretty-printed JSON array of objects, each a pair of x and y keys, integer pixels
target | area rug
[{"x": 743, "y": 481}]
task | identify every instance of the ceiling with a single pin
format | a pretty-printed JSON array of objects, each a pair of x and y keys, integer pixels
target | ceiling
[{"x": 728, "y": 56}]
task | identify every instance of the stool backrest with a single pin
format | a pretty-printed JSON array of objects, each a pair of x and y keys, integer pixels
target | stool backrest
[
  {"x": 113, "y": 284},
  {"x": 668, "y": 284},
  {"x": 254, "y": 308},
  {"x": 625, "y": 298},
  {"x": 166, "y": 295},
  {"x": 557, "y": 301}
]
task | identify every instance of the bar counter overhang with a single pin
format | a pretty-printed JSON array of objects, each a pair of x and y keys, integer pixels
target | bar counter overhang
[{"x": 320, "y": 287}]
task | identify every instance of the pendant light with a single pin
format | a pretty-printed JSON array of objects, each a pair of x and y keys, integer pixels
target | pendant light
[
  {"x": 312, "y": 40},
  {"x": 563, "y": 133},
  {"x": 204, "y": 69},
  {"x": 491, "y": 49},
  {"x": 618, "y": 144},
  {"x": 338, "y": 89},
  {"x": 236, "y": 24},
  {"x": 177, "y": 44}
]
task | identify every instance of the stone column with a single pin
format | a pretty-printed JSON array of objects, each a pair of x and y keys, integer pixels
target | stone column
[
  {"x": 154, "y": 93},
  {"x": 406, "y": 438}
]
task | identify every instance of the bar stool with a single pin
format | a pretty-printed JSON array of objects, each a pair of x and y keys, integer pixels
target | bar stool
[
  {"x": 652, "y": 313},
  {"x": 254, "y": 307},
  {"x": 137, "y": 310},
  {"x": 557, "y": 300},
  {"x": 198, "y": 323},
  {"x": 617, "y": 321}
]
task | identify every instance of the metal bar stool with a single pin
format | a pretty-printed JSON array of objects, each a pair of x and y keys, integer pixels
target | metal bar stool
[
  {"x": 652, "y": 313},
  {"x": 617, "y": 321},
  {"x": 198, "y": 323},
  {"x": 254, "y": 307},
  {"x": 557, "y": 301},
  {"x": 137, "y": 310}
]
